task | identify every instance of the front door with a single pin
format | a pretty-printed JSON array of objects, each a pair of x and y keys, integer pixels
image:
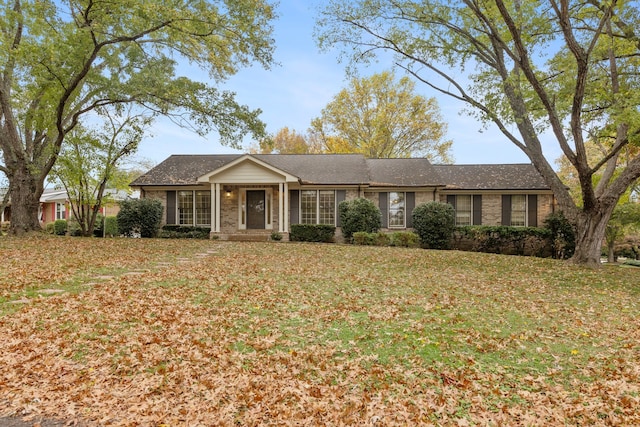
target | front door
[{"x": 255, "y": 209}]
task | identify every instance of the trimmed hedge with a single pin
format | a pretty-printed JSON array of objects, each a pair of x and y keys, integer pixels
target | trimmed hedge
[
  {"x": 312, "y": 233},
  {"x": 359, "y": 215},
  {"x": 530, "y": 241},
  {"x": 434, "y": 222},
  {"x": 405, "y": 239},
  {"x": 140, "y": 216},
  {"x": 60, "y": 227},
  {"x": 184, "y": 232},
  {"x": 371, "y": 239}
]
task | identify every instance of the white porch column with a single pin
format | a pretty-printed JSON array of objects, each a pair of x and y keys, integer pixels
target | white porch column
[
  {"x": 213, "y": 208},
  {"x": 217, "y": 210},
  {"x": 285, "y": 213},
  {"x": 280, "y": 207}
]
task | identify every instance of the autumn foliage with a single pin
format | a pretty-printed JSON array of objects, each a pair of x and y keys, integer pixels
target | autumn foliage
[{"x": 151, "y": 332}]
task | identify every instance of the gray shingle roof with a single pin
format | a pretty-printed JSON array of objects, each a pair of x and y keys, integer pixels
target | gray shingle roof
[
  {"x": 403, "y": 172},
  {"x": 183, "y": 169},
  {"x": 519, "y": 176},
  {"x": 354, "y": 169},
  {"x": 347, "y": 169}
]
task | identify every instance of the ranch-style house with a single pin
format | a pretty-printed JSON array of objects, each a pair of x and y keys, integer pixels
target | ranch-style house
[{"x": 243, "y": 196}]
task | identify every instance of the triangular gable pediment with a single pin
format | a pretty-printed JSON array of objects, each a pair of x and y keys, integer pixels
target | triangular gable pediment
[{"x": 247, "y": 170}]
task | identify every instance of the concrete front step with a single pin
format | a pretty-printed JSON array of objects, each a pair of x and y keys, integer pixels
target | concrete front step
[{"x": 248, "y": 237}]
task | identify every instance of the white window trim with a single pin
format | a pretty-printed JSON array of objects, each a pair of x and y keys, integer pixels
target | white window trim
[
  {"x": 470, "y": 205},
  {"x": 318, "y": 190},
  {"x": 193, "y": 207},
  {"x": 242, "y": 206},
  {"x": 526, "y": 211},
  {"x": 404, "y": 211}
]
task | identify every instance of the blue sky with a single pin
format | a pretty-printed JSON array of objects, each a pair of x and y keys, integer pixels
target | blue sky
[{"x": 294, "y": 92}]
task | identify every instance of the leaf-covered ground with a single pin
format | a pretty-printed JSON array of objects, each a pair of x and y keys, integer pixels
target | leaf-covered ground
[{"x": 170, "y": 332}]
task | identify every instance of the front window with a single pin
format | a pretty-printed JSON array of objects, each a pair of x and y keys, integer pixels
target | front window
[
  {"x": 396, "y": 210},
  {"x": 463, "y": 210},
  {"x": 318, "y": 207},
  {"x": 203, "y": 207},
  {"x": 185, "y": 207},
  {"x": 518, "y": 210},
  {"x": 60, "y": 211},
  {"x": 194, "y": 208},
  {"x": 326, "y": 207}
]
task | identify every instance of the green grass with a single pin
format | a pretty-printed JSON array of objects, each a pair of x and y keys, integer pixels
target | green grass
[{"x": 480, "y": 336}]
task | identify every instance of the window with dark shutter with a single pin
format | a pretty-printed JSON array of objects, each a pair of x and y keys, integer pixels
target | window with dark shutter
[
  {"x": 384, "y": 210},
  {"x": 411, "y": 205},
  {"x": 532, "y": 210},
  {"x": 171, "y": 207},
  {"x": 294, "y": 207},
  {"x": 506, "y": 209},
  {"x": 477, "y": 209},
  {"x": 341, "y": 196}
]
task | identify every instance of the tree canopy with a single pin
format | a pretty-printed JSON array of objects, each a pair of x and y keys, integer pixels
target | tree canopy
[
  {"x": 567, "y": 66},
  {"x": 62, "y": 60},
  {"x": 380, "y": 117}
]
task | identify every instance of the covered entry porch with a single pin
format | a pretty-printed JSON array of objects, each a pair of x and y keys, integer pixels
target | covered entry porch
[{"x": 249, "y": 200}]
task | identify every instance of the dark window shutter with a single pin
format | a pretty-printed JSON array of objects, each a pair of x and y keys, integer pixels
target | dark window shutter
[
  {"x": 171, "y": 207},
  {"x": 451, "y": 199},
  {"x": 341, "y": 196},
  {"x": 477, "y": 209},
  {"x": 383, "y": 203},
  {"x": 410, "y": 201},
  {"x": 532, "y": 203},
  {"x": 294, "y": 210},
  {"x": 506, "y": 209}
]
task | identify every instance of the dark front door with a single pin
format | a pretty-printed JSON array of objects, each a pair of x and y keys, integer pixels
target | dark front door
[{"x": 255, "y": 209}]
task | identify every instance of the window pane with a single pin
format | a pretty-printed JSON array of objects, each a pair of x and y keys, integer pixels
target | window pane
[
  {"x": 308, "y": 206},
  {"x": 185, "y": 207},
  {"x": 203, "y": 208},
  {"x": 327, "y": 207},
  {"x": 518, "y": 210},
  {"x": 60, "y": 210},
  {"x": 463, "y": 210},
  {"x": 396, "y": 209}
]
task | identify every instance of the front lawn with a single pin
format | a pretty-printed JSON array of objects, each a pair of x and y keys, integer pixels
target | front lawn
[{"x": 174, "y": 332}]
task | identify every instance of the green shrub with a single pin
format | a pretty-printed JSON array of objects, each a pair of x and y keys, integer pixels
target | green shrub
[
  {"x": 362, "y": 238},
  {"x": 60, "y": 227},
  {"x": 632, "y": 262},
  {"x": 405, "y": 239},
  {"x": 434, "y": 223},
  {"x": 111, "y": 226},
  {"x": 504, "y": 240},
  {"x": 276, "y": 236},
  {"x": 184, "y": 232},
  {"x": 49, "y": 228},
  {"x": 563, "y": 235},
  {"x": 312, "y": 233},
  {"x": 371, "y": 239},
  {"x": 73, "y": 228},
  {"x": 140, "y": 216},
  {"x": 359, "y": 215}
]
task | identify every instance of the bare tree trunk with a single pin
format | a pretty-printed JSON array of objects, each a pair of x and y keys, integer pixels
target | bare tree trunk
[
  {"x": 590, "y": 232},
  {"x": 26, "y": 190}
]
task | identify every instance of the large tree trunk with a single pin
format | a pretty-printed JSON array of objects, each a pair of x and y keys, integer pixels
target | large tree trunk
[
  {"x": 26, "y": 190},
  {"x": 590, "y": 231}
]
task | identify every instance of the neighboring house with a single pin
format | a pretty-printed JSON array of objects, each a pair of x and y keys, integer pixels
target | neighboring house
[
  {"x": 239, "y": 195},
  {"x": 5, "y": 214},
  {"x": 54, "y": 204}
]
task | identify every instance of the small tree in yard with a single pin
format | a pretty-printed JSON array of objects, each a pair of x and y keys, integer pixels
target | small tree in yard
[
  {"x": 434, "y": 222},
  {"x": 140, "y": 216},
  {"x": 359, "y": 215}
]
